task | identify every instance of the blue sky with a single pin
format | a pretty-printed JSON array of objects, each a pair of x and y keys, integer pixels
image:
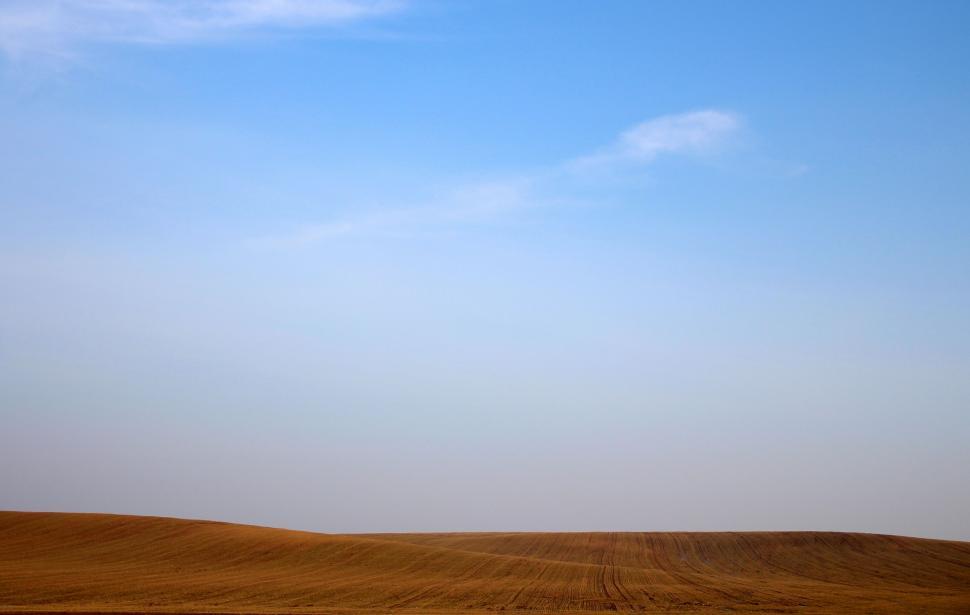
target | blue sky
[{"x": 368, "y": 266}]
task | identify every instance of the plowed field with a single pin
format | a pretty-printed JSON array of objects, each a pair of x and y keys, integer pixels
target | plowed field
[{"x": 57, "y": 562}]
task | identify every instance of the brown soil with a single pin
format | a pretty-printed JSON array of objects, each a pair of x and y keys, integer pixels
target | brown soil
[{"x": 73, "y": 563}]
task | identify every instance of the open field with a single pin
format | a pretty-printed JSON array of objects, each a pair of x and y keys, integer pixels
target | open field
[{"x": 55, "y": 562}]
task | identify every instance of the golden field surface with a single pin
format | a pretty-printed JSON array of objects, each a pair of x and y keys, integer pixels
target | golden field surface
[{"x": 87, "y": 563}]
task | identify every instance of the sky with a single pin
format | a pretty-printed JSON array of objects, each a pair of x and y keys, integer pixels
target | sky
[{"x": 434, "y": 265}]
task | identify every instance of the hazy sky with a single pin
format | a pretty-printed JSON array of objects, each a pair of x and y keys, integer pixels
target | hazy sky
[{"x": 438, "y": 265}]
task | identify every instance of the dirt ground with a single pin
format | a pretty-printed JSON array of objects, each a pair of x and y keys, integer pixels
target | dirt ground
[{"x": 84, "y": 563}]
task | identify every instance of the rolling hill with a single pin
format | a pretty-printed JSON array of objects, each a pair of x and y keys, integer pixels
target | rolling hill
[{"x": 74, "y": 563}]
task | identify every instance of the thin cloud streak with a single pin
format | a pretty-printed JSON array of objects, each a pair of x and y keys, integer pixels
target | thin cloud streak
[
  {"x": 692, "y": 133},
  {"x": 56, "y": 28},
  {"x": 467, "y": 204},
  {"x": 695, "y": 132}
]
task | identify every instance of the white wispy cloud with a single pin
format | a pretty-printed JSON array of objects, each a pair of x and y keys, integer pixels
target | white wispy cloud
[
  {"x": 685, "y": 133},
  {"x": 692, "y": 133},
  {"x": 57, "y": 28}
]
